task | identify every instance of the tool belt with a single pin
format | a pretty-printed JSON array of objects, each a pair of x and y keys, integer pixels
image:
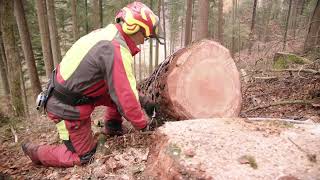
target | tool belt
[
  {"x": 69, "y": 97},
  {"x": 62, "y": 94}
]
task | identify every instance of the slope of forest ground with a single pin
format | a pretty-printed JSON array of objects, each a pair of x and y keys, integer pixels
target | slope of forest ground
[{"x": 125, "y": 157}]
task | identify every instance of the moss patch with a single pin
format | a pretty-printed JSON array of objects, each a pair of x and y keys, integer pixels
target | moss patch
[{"x": 284, "y": 60}]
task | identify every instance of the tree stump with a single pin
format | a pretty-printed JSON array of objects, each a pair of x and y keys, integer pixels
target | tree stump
[{"x": 200, "y": 81}]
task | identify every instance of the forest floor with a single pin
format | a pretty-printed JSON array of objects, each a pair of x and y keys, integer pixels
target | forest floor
[{"x": 125, "y": 157}]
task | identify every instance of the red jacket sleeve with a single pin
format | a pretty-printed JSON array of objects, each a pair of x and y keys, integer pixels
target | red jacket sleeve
[{"x": 123, "y": 90}]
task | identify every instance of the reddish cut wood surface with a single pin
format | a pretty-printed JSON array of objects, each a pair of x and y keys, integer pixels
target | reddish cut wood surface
[{"x": 204, "y": 82}]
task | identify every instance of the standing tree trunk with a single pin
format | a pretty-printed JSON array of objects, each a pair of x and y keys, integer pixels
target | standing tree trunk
[
  {"x": 27, "y": 47},
  {"x": 312, "y": 36},
  {"x": 96, "y": 14},
  {"x": 267, "y": 30},
  {"x": 45, "y": 38},
  {"x": 151, "y": 48},
  {"x": 251, "y": 35},
  {"x": 188, "y": 27},
  {"x": 233, "y": 42},
  {"x": 54, "y": 38},
  {"x": 140, "y": 70},
  {"x": 24, "y": 91},
  {"x": 145, "y": 70},
  {"x": 203, "y": 18},
  {"x": 157, "y": 43},
  {"x": 164, "y": 28},
  {"x": 181, "y": 33},
  {"x": 7, "y": 24},
  {"x": 220, "y": 22},
  {"x": 287, "y": 24},
  {"x": 293, "y": 19},
  {"x": 75, "y": 28},
  {"x": 3, "y": 68},
  {"x": 101, "y": 13},
  {"x": 86, "y": 13}
]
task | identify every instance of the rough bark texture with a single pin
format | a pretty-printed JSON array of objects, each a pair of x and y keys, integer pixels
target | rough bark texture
[
  {"x": 75, "y": 28},
  {"x": 164, "y": 29},
  {"x": 234, "y": 149},
  {"x": 253, "y": 22},
  {"x": 157, "y": 43},
  {"x": 86, "y": 13},
  {"x": 312, "y": 38},
  {"x": 27, "y": 47},
  {"x": 54, "y": 38},
  {"x": 7, "y": 24},
  {"x": 287, "y": 24},
  {"x": 3, "y": 68},
  {"x": 101, "y": 13},
  {"x": 220, "y": 21},
  {"x": 196, "y": 82},
  {"x": 188, "y": 28},
  {"x": 203, "y": 20},
  {"x": 151, "y": 47},
  {"x": 45, "y": 38},
  {"x": 96, "y": 14}
]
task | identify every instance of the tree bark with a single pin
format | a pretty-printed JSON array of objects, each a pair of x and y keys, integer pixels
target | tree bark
[
  {"x": 203, "y": 18},
  {"x": 164, "y": 28},
  {"x": 253, "y": 21},
  {"x": 45, "y": 38},
  {"x": 7, "y": 24},
  {"x": 181, "y": 33},
  {"x": 86, "y": 13},
  {"x": 101, "y": 13},
  {"x": 151, "y": 48},
  {"x": 54, "y": 38},
  {"x": 267, "y": 30},
  {"x": 287, "y": 24},
  {"x": 311, "y": 39},
  {"x": 188, "y": 27},
  {"x": 96, "y": 14},
  {"x": 192, "y": 83},
  {"x": 75, "y": 29},
  {"x": 157, "y": 43},
  {"x": 27, "y": 47},
  {"x": 233, "y": 41},
  {"x": 220, "y": 21},
  {"x": 251, "y": 35},
  {"x": 3, "y": 69}
]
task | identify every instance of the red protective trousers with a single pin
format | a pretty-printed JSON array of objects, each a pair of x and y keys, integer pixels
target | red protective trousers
[{"x": 80, "y": 135}]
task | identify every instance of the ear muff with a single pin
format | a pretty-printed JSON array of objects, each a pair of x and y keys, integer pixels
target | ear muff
[{"x": 130, "y": 29}]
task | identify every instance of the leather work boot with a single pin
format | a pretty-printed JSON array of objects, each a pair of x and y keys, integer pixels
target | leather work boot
[
  {"x": 30, "y": 150},
  {"x": 113, "y": 128}
]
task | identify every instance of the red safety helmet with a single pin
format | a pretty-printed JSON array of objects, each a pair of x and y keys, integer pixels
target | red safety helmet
[{"x": 137, "y": 16}]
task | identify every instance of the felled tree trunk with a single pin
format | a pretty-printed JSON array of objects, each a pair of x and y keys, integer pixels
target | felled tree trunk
[{"x": 200, "y": 81}]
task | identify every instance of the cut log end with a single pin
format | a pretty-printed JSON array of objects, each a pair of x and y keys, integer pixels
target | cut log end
[{"x": 205, "y": 82}]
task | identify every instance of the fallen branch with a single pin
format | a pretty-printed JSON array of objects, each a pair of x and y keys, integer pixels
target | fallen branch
[
  {"x": 266, "y": 78},
  {"x": 296, "y": 70},
  {"x": 279, "y": 103},
  {"x": 280, "y": 120},
  {"x": 14, "y": 134}
]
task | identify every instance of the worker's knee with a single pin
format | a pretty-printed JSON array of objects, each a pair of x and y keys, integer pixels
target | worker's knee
[{"x": 88, "y": 157}]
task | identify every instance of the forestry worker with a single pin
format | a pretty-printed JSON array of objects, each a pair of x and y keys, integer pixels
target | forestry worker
[{"x": 96, "y": 71}]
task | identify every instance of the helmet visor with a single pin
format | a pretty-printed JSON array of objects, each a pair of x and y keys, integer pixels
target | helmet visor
[{"x": 158, "y": 34}]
